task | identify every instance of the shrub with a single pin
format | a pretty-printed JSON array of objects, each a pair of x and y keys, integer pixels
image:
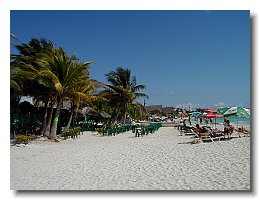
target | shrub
[
  {"x": 72, "y": 133},
  {"x": 24, "y": 139},
  {"x": 99, "y": 130}
]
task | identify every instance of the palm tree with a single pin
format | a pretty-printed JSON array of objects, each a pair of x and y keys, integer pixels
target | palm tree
[
  {"x": 24, "y": 73},
  {"x": 83, "y": 91},
  {"x": 65, "y": 76},
  {"x": 122, "y": 92},
  {"x": 137, "y": 111},
  {"x": 24, "y": 60},
  {"x": 57, "y": 75}
]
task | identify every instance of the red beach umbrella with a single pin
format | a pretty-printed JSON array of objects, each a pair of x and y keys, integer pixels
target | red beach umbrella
[{"x": 212, "y": 115}]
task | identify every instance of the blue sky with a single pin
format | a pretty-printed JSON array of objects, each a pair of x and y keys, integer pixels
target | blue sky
[{"x": 201, "y": 58}]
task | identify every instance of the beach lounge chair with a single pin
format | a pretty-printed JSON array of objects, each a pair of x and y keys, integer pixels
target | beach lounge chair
[
  {"x": 209, "y": 136},
  {"x": 187, "y": 130}
]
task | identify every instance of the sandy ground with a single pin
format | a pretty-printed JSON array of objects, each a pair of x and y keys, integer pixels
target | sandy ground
[{"x": 125, "y": 162}]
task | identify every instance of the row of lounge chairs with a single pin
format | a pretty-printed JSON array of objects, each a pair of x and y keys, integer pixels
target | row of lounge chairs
[{"x": 209, "y": 135}]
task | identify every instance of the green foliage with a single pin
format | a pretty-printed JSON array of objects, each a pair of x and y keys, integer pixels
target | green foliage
[
  {"x": 40, "y": 66},
  {"x": 24, "y": 139},
  {"x": 99, "y": 130},
  {"x": 71, "y": 133},
  {"x": 122, "y": 93}
]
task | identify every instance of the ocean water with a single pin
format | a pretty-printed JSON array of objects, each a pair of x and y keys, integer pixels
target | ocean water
[{"x": 235, "y": 121}]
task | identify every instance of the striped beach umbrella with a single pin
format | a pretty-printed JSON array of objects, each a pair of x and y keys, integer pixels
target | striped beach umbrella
[
  {"x": 237, "y": 111},
  {"x": 222, "y": 110},
  {"x": 212, "y": 115}
]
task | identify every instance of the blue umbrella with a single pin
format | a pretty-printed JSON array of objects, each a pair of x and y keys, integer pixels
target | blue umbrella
[{"x": 196, "y": 115}]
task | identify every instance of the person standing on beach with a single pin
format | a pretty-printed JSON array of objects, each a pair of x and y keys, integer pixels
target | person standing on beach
[
  {"x": 183, "y": 124},
  {"x": 228, "y": 128},
  {"x": 224, "y": 123},
  {"x": 206, "y": 122},
  {"x": 189, "y": 120},
  {"x": 225, "y": 127}
]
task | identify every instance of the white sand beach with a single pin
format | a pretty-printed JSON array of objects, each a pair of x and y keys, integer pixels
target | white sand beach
[{"x": 125, "y": 162}]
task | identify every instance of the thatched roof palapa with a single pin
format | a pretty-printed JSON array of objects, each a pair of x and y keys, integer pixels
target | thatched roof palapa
[
  {"x": 105, "y": 115},
  {"x": 89, "y": 111}
]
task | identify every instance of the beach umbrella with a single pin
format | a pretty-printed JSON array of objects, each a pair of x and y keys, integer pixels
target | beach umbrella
[
  {"x": 238, "y": 112},
  {"x": 196, "y": 114},
  {"x": 212, "y": 115},
  {"x": 222, "y": 110},
  {"x": 209, "y": 110}
]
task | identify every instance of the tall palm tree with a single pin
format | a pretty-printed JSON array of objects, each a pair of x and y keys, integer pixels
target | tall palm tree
[
  {"x": 24, "y": 72},
  {"x": 83, "y": 91},
  {"x": 52, "y": 70},
  {"x": 20, "y": 63},
  {"x": 65, "y": 75},
  {"x": 122, "y": 92}
]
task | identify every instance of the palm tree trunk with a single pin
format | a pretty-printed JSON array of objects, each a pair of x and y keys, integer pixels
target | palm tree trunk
[
  {"x": 48, "y": 125},
  {"x": 125, "y": 118},
  {"x": 44, "y": 123},
  {"x": 117, "y": 114},
  {"x": 76, "y": 117},
  {"x": 70, "y": 119},
  {"x": 54, "y": 125},
  {"x": 125, "y": 112}
]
